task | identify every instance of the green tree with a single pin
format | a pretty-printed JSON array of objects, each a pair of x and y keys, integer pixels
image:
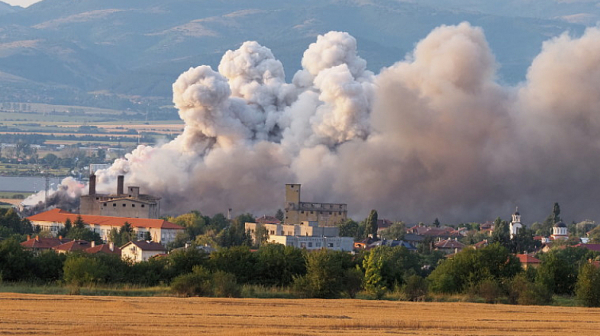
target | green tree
[
  {"x": 501, "y": 233},
  {"x": 395, "y": 232},
  {"x": 80, "y": 270},
  {"x": 182, "y": 261},
  {"x": 277, "y": 265},
  {"x": 325, "y": 271},
  {"x": 280, "y": 215},
  {"x": 237, "y": 260},
  {"x": 349, "y": 228},
  {"x": 64, "y": 231},
  {"x": 79, "y": 223},
  {"x": 193, "y": 222},
  {"x": 436, "y": 223},
  {"x": 126, "y": 233},
  {"x": 371, "y": 224},
  {"x": 374, "y": 283},
  {"x": 78, "y": 233},
  {"x": 556, "y": 273},
  {"x": 588, "y": 286},
  {"x": 468, "y": 268},
  {"x": 15, "y": 262}
]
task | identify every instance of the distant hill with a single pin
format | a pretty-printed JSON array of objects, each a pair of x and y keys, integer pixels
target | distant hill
[
  {"x": 139, "y": 47},
  {"x": 6, "y": 8}
]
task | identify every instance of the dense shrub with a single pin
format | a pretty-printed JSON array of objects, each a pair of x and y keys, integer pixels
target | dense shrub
[
  {"x": 196, "y": 283},
  {"x": 588, "y": 286},
  {"x": 415, "y": 288}
]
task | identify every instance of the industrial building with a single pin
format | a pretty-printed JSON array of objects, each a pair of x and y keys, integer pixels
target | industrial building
[
  {"x": 131, "y": 204},
  {"x": 325, "y": 214}
]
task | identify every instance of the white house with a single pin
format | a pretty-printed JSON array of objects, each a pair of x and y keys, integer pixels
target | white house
[{"x": 142, "y": 250}]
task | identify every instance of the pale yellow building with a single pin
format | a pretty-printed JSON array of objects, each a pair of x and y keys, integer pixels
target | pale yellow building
[{"x": 325, "y": 214}]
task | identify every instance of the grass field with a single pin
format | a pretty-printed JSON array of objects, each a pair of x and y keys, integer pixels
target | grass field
[{"x": 31, "y": 314}]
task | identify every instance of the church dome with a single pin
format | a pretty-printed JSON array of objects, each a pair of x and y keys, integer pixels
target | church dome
[{"x": 560, "y": 224}]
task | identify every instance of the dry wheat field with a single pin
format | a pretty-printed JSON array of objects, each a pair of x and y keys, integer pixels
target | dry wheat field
[{"x": 26, "y": 314}]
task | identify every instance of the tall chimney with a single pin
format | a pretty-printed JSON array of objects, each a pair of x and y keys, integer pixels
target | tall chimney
[
  {"x": 92, "y": 184},
  {"x": 120, "y": 184},
  {"x": 93, "y": 243}
]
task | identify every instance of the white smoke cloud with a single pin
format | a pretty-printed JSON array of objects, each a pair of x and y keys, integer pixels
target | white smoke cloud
[{"x": 434, "y": 135}]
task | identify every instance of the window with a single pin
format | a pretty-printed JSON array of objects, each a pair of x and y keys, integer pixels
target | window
[
  {"x": 312, "y": 212},
  {"x": 142, "y": 205},
  {"x": 124, "y": 204},
  {"x": 272, "y": 232},
  {"x": 329, "y": 244},
  {"x": 309, "y": 244},
  {"x": 340, "y": 212},
  {"x": 302, "y": 211},
  {"x": 114, "y": 204},
  {"x": 302, "y": 244},
  {"x": 318, "y": 244},
  {"x": 133, "y": 205}
]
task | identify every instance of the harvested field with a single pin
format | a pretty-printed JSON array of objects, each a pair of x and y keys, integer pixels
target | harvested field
[{"x": 26, "y": 314}]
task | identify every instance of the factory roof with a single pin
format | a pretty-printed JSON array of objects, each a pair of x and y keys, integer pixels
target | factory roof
[{"x": 60, "y": 216}]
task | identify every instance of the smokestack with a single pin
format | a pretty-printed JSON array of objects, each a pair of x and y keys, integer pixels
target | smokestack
[
  {"x": 92, "y": 184},
  {"x": 120, "y": 183},
  {"x": 229, "y": 213},
  {"x": 111, "y": 246},
  {"x": 93, "y": 243}
]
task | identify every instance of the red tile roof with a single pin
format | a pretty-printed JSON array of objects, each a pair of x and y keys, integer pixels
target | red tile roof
[
  {"x": 449, "y": 244},
  {"x": 60, "y": 216},
  {"x": 43, "y": 243},
  {"x": 75, "y": 245},
  {"x": 527, "y": 259},
  {"x": 146, "y": 245},
  {"x": 103, "y": 248},
  {"x": 591, "y": 247}
]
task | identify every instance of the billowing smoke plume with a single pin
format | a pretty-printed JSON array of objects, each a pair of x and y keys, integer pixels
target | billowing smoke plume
[{"x": 434, "y": 135}]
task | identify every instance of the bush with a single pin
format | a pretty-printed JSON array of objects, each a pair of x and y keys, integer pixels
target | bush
[
  {"x": 489, "y": 290},
  {"x": 415, "y": 288},
  {"x": 523, "y": 291},
  {"x": 224, "y": 285},
  {"x": 196, "y": 283}
]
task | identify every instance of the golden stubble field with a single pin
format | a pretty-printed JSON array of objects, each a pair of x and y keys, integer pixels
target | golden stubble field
[{"x": 26, "y": 314}]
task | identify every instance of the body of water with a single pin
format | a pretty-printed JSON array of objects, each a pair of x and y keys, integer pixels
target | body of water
[{"x": 27, "y": 183}]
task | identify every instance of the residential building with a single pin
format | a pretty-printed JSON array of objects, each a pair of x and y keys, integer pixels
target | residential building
[
  {"x": 326, "y": 214},
  {"x": 39, "y": 244},
  {"x": 142, "y": 250},
  {"x": 449, "y": 246},
  {"x": 131, "y": 204},
  {"x": 73, "y": 246},
  {"x": 160, "y": 230},
  {"x": 109, "y": 248},
  {"x": 528, "y": 261}
]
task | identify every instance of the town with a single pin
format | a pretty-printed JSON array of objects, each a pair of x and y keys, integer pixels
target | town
[{"x": 308, "y": 249}]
